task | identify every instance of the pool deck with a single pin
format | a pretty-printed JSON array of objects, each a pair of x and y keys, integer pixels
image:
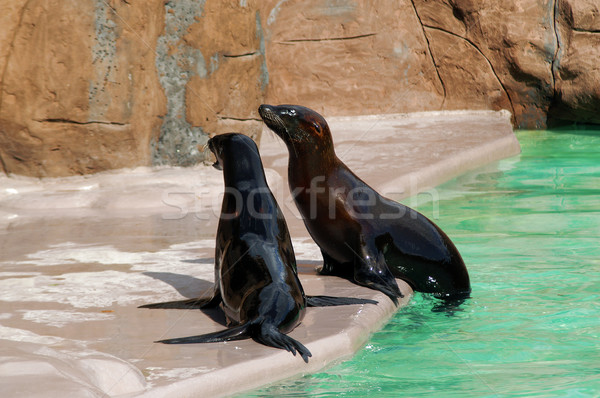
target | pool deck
[{"x": 79, "y": 254}]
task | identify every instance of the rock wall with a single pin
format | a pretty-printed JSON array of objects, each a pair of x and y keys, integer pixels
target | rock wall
[
  {"x": 537, "y": 59},
  {"x": 90, "y": 85},
  {"x": 80, "y": 93},
  {"x": 211, "y": 64}
]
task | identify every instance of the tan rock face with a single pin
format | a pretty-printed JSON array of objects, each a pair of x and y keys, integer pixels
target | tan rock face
[
  {"x": 79, "y": 93},
  {"x": 350, "y": 57},
  {"x": 211, "y": 68},
  {"x": 577, "y": 67},
  {"x": 90, "y": 85},
  {"x": 227, "y": 97},
  {"x": 509, "y": 46}
]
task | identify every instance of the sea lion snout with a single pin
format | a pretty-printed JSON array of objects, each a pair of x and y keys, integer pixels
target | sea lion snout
[
  {"x": 272, "y": 119},
  {"x": 295, "y": 124},
  {"x": 282, "y": 113},
  {"x": 269, "y": 115},
  {"x": 264, "y": 109},
  {"x": 215, "y": 147},
  {"x": 222, "y": 144}
]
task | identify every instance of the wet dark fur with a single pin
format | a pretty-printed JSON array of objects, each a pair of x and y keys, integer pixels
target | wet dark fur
[
  {"x": 363, "y": 236},
  {"x": 256, "y": 281}
]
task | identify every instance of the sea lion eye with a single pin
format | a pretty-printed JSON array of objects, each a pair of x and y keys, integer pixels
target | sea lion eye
[
  {"x": 317, "y": 127},
  {"x": 292, "y": 112}
]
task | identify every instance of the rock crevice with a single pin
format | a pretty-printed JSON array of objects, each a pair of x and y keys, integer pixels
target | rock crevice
[
  {"x": 433, "y": 63},
  {"x": 581, "y": 30},
  {"x": 489, "y": 63},
  {"x": 321, "y": 39},
  {"x": 250, "y": 54},
  {"x": 67, "y": 121},
  {"x": 557, "y": 48}
]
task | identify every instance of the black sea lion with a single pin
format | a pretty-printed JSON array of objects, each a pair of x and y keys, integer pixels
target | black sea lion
[
  {"x": 256, "y": 281},
  {"x": 362, "y": 235}
]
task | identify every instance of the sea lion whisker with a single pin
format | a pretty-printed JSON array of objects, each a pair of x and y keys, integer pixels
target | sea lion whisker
[
  {"x": 273, "y": 135},
  {"x": 286, "y": 132},
  {"x": 291, "y": 141}
]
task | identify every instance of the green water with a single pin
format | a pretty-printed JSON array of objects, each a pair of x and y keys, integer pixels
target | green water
[{"x": 529, "y": 230}]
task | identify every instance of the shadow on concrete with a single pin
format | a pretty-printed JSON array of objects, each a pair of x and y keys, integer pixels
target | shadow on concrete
[
  {"x": 200, "y": 261},
  {"x": 191, "y": 287},
  {"x": 308, "y": 266},
  {"x": 186, "y": 285}
]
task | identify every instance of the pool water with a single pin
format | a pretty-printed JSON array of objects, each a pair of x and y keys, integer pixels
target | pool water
[{"x": 528, "y": 228}]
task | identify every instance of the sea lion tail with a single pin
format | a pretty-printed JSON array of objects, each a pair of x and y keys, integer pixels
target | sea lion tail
[
  {"x": 235, "y": 333},
  {"x": 329, "y": 301},
  {"x": 268, "y": 334}
]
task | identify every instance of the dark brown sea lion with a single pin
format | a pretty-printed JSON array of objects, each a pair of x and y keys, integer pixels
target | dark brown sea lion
[
  {"x": 363, "y": 236},
  {"x": 256, "y": 281}
]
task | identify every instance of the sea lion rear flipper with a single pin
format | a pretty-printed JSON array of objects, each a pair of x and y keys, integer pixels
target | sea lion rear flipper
[
  {"x": 195, "y": 303},
  {"x": 265, "y": 334},
  {"x": 235, "y": 333},
  {"x": 269, "y": 335},
  {"x": 329, "y": 301}
]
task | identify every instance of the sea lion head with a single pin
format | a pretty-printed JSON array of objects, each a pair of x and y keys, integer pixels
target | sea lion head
[
  {"x": 239, "y": 145},
  {"x": 298, "y": 126}
]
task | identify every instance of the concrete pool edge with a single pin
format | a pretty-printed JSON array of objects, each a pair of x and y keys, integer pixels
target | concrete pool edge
[
  {"x": 280, "y": 365},
  {"x": 438, "y": 173}
]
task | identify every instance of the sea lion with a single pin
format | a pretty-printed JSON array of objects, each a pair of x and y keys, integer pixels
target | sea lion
[
  {"x": 256, "y": 281},
  {"x": 363, "y": 236}
]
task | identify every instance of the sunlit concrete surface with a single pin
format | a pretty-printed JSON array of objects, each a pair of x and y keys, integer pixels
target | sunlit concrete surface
[{"x": 79, "y": 254}]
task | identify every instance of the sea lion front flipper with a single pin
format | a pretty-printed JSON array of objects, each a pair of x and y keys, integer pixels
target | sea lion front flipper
[
  {"x": 195, "y": 303},
  {"x": 329, "y": 301},
  {"x": 373, "y": 272}
]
